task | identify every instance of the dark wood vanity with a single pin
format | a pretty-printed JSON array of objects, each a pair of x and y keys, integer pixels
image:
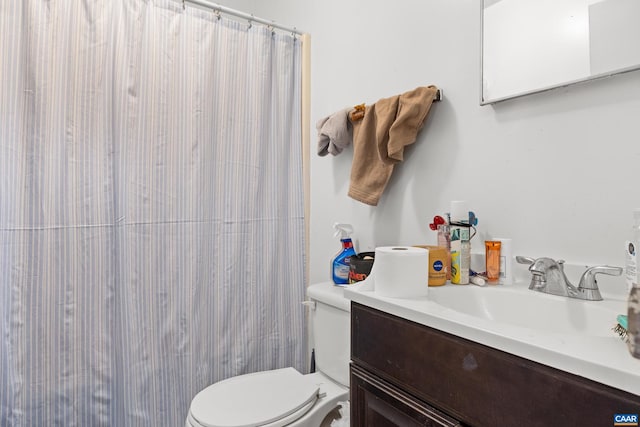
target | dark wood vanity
[{"x": 407, "y": 374}]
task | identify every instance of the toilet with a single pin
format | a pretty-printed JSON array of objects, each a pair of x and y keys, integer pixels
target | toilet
[{"x": 286, "y": 397}]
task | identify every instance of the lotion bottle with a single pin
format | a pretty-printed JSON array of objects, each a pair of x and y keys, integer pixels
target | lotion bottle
[
  {"x": 492, "y": 260},
  {"x": 340, "y": 264}
]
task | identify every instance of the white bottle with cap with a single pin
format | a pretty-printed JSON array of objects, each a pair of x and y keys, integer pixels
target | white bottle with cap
[
  {"x": 506, "y": 261},
  {"x": 460, "y": 245},
  {"x": 631, "y": 247},
  {"x": 632, "y": 271}
]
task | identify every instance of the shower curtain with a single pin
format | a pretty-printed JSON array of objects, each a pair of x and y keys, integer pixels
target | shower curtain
[{"x": 151, "y": 208}]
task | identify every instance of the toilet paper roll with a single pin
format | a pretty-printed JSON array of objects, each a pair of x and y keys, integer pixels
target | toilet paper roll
[{"x": 399, "y": 272}]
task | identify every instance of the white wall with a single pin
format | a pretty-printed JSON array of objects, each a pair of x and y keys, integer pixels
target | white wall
[{"x": 559, "y": 172}]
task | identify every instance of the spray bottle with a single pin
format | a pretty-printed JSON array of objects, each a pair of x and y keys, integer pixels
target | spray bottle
[{"x": 340, "y": 263}]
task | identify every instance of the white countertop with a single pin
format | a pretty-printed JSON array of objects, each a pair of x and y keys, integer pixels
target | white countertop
[{"x": 604, "y": 359}]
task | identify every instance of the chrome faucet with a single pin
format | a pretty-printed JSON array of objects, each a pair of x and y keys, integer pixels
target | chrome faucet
[{"x": 548, "y": 277}]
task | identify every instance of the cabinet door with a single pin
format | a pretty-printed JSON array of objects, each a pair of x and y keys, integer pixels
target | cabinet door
[
  {"x": 479, "y": 385},
  {"x": 375, "y": 403}
]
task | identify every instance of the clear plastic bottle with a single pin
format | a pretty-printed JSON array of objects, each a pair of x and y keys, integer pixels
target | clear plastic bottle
[
  {"x": 631, "y": 270},
  {"x": 444, "y": 241},
  {"x": 631, "y": 249}
]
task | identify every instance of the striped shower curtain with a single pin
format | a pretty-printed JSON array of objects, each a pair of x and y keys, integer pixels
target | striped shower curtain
[{"x": 151, "y": 208}]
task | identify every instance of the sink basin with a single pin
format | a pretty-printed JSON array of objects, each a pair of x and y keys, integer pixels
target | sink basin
[{"x": 517, "y": 305}]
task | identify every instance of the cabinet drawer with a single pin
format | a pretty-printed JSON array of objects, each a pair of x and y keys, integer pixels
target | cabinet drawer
[
  {"x": 375, "y": 403},
  {"x": 476, "y": 384}
]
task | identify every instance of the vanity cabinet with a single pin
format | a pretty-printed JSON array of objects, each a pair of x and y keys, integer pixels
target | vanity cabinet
[{"x": 405, "y": 374}]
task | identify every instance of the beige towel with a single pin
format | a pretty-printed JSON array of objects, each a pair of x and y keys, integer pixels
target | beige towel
[{"x": 379, "y": 139}]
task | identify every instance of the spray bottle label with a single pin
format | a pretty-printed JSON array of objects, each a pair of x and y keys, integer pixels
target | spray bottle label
[
  {"x": 341, "y": 266},
  {"x": 342, "y": 272}
]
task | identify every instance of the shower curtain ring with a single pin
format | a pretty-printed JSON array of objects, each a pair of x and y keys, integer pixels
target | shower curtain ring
[{"x": 218, "y": 14}]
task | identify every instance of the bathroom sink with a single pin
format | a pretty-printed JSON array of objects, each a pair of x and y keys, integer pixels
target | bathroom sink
[
  {"x": 568, "y": 334},
  {"x": 518, "y": 306}
]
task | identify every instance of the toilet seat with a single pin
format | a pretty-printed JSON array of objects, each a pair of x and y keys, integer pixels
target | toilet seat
[{"x": 270, "y": 398}]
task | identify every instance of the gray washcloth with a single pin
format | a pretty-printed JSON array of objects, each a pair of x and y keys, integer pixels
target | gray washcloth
[{"x": 335, "y": 133}]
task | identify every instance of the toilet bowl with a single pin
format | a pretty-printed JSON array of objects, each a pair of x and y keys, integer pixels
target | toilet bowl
[{"x": 286, "y": 397}]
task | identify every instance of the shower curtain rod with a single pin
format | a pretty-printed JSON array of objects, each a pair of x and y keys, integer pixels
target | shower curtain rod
[{"x": 242, "y": 15}]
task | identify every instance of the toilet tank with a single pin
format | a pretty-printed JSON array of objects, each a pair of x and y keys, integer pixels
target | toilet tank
[{"x": 330, "y": 336}]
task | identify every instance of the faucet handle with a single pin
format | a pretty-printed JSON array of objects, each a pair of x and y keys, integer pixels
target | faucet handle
[
  {"x": 589, "y": 285},
  {"x": 524, "y": 259},
  {"x": 588, "y": 279}
]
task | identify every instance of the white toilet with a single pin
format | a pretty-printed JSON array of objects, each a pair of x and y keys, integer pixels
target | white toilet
[{"x": 285, "y": 397}]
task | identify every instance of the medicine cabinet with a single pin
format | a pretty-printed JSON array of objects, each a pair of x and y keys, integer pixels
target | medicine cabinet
[{"x": 530, "y": 46}]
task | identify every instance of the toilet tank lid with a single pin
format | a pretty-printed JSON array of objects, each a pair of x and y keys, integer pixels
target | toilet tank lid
[
  {"x": 330, "y": 294},
  {"x": 254, "y": 399}
]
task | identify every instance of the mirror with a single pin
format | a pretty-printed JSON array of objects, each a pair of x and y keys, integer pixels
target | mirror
[{"x": 530, "y": 46}]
